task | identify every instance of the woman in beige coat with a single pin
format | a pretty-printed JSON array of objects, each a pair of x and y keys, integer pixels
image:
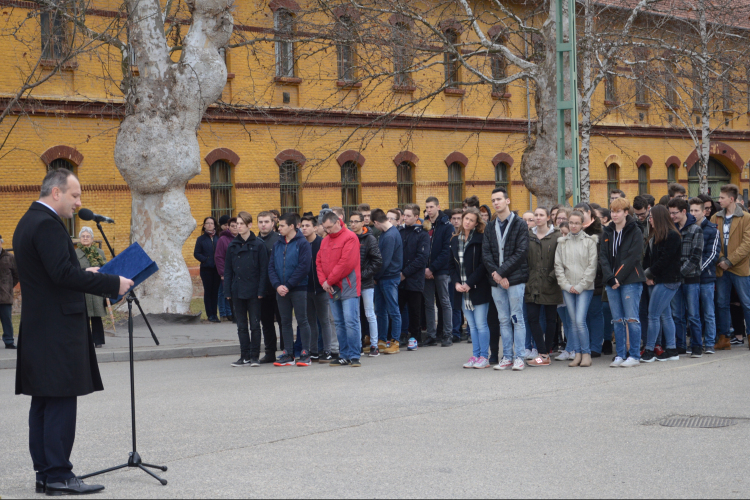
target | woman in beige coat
[{"x": 576, "y": 259}]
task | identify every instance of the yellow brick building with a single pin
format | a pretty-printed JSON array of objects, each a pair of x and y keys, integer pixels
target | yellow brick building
[{"x": 466, "y": 141}]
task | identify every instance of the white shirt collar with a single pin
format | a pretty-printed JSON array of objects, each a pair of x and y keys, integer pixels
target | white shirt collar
[{"x": 42, "y": 203}]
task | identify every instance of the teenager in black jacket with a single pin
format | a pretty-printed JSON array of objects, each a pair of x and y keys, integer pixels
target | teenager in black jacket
[
  {"x": 620, "y": 256},
  {"x": 663, "y": 264},
  {"x": 245, "y": 274},
  {"x": 205, "y": 248}
]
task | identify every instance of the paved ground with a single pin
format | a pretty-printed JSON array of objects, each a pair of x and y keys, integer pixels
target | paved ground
[{"x": 408, "y": 425}]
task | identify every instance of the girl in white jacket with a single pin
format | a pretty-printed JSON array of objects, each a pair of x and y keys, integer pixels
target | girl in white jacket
[{"x": 575, "y": 267}]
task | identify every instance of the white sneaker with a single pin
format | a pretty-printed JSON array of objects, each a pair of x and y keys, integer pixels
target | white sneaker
[
  {"x": 470, "y": 364},
  {"x": 525, "y": 353},
  {"x": 504, "y": 364},
  {"x": 532, "y": 354},
  {"x": 481, "y": 363},
  {"x": 518, "y": 365},
  {"x": 617, "y": 362},
  {"x": 630, "y": 362},
  {"x": 565, "y": 356}
]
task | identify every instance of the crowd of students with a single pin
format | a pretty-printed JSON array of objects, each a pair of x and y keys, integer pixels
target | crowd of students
[{"x": 643, "y": 276}]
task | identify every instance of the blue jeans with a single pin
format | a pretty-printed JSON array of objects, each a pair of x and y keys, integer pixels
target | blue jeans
[
  {"x": 571, "y": 341},
  {"x": 595, "y": 324},
  {"x": 224, "y": 308},
  {"x": 724, "y": 286},
  {"x": 480, "y": 332},
  {"x": 6, "y": 319},
  {"x": 509, "y": 305},
  {"x": 578, "y": 307},
  {"x": 686, "y": 311},
  {"x": 625, "y": 304},
  {"x": 386, "y": 307},
  {"x": 660, "y": 315},
  {"x": 346, "y": 318},
  {"x": 708, "y": 315},
  {"x": 368, "y": 299}
]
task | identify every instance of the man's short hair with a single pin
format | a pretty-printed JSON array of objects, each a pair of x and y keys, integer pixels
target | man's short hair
[
  {"x": 620, "y": 204},
  {"x": 432, "y": 199},
  {"x": 357, "y": 214},
  {"x": 455, "y": 211},
  {"x": 331, "y": 217},
  {"x": 339, "y": 211},
  {"x": 246, "y": 217},
  {"x": 650, "y": 199},
  {"x": 679, "y": 204},
  {"x": 696, "y": 201},
  {"x": 265, "y": 214},
  {"x": 275, "y": 212},
  {"x": 472, "y": 201},
  {"x": 675, "y": 188},
  {"x": 378, "y": 215},
  {"x": 594, "y": 206},
  {"x": 640, "y": 203},
  {"x": 605, "y": 213},
  {"x": 732, "y": 190},
  {"x": 309, "y": 217},
  {"x": 501, "y": 189},
  {"x": 232, "y": 220},
  {"x": 363, "y": 207},
  {"x": 619, "y": 192},
  {"x": 395, "y": 211},
  {"x": 413, "y": 208},
  {"x": 56, "y": 178},
  {"x": 290, "y": 219}
]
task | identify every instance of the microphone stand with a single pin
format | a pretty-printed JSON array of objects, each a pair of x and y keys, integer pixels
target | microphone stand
[{"x": 134, "y": 459}]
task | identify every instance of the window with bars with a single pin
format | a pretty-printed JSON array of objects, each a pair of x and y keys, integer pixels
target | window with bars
[
  {"x": 349, "y": 187},
  {"x": 53, "y": 34},
  {"x": 643, "y": 182},
  {"x": 455, "y": 185},
  {"x": 405, "y": 184},
  {"x": 613, "y": 177},
  {"x": 289, "y": 187},
  {"x": 451, "y": 60},
  {"x": 346, "y": 51},
  {"x": 610, "y": 88},
  {"x": 284, "y": 24},
  {"x": 501, "y": 175},
  {"x": 671, "y": 174},
  {"x": 670, "y": 90},
  {"x": 70, "y": 224},
  {"x": 403, "y": 55},
  {"x": 499, "y": 71},
  {"x": 222, "y": 201}
]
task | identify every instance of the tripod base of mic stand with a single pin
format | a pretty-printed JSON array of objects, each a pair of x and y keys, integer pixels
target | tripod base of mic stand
[{"x": 134, "y": 461}]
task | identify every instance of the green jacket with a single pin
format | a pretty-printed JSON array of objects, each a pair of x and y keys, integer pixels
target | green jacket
[
  {"x": 542, "y": 287},
  {"x": 94, "y": 304}
]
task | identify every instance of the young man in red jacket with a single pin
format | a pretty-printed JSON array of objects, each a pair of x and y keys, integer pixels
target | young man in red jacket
[{"x": 339, "y": 274}]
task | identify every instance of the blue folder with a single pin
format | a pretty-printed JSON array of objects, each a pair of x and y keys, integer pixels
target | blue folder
[{"x": 132, "y": 263}]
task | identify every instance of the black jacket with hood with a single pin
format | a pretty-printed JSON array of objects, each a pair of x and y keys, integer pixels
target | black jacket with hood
[
  {"x": 246, "y": 268},
  {"x": 416, "y": 242},
  {"x": 623, "y": 264},
  {"x": 515, "y": 264},
  {"x": 370, "y": 260},
  {"x": 439, "y": 260}
]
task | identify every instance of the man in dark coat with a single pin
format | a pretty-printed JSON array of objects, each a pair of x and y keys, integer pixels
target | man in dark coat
[
  {"x": 416, "y": 243},
  {"x": 56, "y": 357}
]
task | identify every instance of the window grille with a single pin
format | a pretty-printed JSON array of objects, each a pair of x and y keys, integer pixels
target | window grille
[
  {"x": 284, "y": 22},
  {"x": 349, "y": 187},
  {"x": 346, "y": 51},
  {"x": 451, "y": 60},
  {"x": 643, "y": 179},
  {"x": 455, "y": 185},
  {"x": 222, "y": 201},
  {"x": 501, "y": 175},
  {"x": 405, "y": 184},
  {"x": 53, "y": 34},
  {"x": 613, "y": 177},
  {"x": 289, "y": 187}
]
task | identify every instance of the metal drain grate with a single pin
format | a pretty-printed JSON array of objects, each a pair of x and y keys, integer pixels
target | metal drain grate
[{"x": 699, "y": 422}]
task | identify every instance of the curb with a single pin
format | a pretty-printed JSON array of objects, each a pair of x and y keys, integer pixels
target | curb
[{"x": 119, "y": 355}]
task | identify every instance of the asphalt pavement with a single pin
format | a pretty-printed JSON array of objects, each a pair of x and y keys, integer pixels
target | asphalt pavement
[{"x": 408, "y": 425}]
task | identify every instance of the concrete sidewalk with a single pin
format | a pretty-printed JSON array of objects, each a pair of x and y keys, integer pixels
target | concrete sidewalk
[{"x": 176, "y": 341}]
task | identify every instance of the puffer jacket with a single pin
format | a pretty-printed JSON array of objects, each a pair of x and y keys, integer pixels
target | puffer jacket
[
  {"x": 9, "y": 276},
  {"x": 441, "y": 231},
  {"x": 246, "y": 269},
  {"x": 290, "y": 263},
  {"x": 476, "y": 273},
  {"x": 542, "y": 287},
  {"x": 515, "y": 266},
  {"x": 370, "y": 260},
  {"x": 576, "y": 259},
  {"x": 338, "y": 264},
  {"x": 662, "y": 261},
  {"x": 416, "y": 242},
  {"x": 625, "y": 265},
  {"x": 692, "y": 251},
  {"x": 738, "y": 250},
  {"x": 595, "y": 229},
  {"x": 711, "y": 251}
]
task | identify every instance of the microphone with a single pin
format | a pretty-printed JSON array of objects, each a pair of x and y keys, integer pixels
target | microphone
[{"x": 86, "y": 214}]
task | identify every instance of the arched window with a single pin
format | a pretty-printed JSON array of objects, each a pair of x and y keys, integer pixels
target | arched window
[
  {"x": 613, "y": 177},
  {"x": 451, "y": 60},
  {"x": 346, "y": 51},
  {"x": 501, "y": 175},
  {"x": 222, "y": 201},
  {"x": 455, "y": 185},
  {"x": 405, "y": 184},
  {"x": 643, "y": 181},
  {"x": 671, "y": 174},
  {"x": 349, "y": 187},
  {"x": 63, "y": 163},
  {"x": 284, "y": 23},
  {"x": 289, "y": 187},
  {"x": 718, "y": 175}
]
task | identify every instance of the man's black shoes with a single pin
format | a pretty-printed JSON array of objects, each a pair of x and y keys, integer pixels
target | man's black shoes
[
  {"x": 41, "y": 486},
  {"x": 241, "y": 362},
  {"x": 10, "y": 346},
  {"x": 595, "y": 354},
  {"x": 268, "y": 359},
  {"x": 73, "y": 486},
  {"x": 431, "y": 341}
]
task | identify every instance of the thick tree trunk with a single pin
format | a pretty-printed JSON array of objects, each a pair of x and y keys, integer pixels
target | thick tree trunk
[{"x": 157, "y": 149}]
